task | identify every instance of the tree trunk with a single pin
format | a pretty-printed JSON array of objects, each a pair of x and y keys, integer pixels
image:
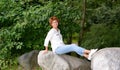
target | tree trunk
[
  {"x": 82, "y": 24},
  {"x": 69, "y": 39}
]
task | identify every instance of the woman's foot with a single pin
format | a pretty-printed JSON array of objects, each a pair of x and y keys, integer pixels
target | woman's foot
[{"x": 91, "y": 53}]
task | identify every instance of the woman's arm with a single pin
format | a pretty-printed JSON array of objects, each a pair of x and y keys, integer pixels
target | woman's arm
[{"x": 47, "y": 39}]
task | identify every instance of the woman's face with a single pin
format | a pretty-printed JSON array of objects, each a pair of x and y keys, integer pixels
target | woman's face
[{"x": 54, "y": 23}]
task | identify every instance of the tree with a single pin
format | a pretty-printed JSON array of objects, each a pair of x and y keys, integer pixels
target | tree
[{"x": 82, "y": 24}]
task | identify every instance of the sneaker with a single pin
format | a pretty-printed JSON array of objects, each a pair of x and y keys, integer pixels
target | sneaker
[{"x": 91, "y": 53}]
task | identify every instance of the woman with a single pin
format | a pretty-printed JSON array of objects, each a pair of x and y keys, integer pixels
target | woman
[{"x": 57, "y": 44}]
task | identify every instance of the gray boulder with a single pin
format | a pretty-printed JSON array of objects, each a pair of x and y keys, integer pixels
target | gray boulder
[
  {"x": 106, "y": 59},
  {"x": 28, "y": 61},
  {"x": 51, "y": 61}
]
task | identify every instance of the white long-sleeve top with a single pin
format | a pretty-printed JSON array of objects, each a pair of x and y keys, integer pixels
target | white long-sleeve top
[{"x": 55, "y": 38}]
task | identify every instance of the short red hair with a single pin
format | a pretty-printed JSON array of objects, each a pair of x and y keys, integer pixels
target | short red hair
[{"x": 52, "y": 19}]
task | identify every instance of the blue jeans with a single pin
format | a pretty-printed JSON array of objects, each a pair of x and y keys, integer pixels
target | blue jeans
[{"x": 70, "y": 48}]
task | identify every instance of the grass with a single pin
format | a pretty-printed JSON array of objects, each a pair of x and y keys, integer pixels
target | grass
[{"x": 16, "y": 67}]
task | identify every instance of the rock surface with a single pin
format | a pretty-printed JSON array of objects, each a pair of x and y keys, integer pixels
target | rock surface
[
  {"x": 51, "y": 61},
  {"x": 106, "y": 59}
]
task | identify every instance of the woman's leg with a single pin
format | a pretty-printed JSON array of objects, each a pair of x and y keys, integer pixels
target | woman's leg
[{"x": 70, "y": 48}]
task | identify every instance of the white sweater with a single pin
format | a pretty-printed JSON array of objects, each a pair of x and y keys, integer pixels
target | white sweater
[{"x": 55, "y": 37}]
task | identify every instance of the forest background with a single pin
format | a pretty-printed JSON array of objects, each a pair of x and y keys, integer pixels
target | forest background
[{"x": 88, "y": 23}]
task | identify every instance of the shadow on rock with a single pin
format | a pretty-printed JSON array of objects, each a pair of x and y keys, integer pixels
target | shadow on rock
[{"x": 28, "y": 61}]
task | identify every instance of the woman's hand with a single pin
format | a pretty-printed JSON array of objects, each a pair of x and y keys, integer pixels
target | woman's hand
[{"x": 46, "y": 50}]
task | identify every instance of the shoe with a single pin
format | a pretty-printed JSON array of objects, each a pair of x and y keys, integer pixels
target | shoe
[{"x": 91, "y": 53}]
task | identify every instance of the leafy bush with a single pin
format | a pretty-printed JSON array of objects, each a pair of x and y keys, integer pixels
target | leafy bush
[{"x": 101, "y": 36}]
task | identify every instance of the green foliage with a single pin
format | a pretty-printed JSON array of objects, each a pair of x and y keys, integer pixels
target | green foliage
[
  {"x": 21, "y": 29},
  {"x": 69, "y": 15},
  {"x": 102, "y": 12},
  {"x": 101, "y": 36},
  {"x": 102, "y": 24}
]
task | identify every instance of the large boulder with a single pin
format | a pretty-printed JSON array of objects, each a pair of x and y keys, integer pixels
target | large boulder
[
  {"x": 106, "y": 59},
  {"x": 28, "y": 61},
  {"x": 51, "y": 61}
]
